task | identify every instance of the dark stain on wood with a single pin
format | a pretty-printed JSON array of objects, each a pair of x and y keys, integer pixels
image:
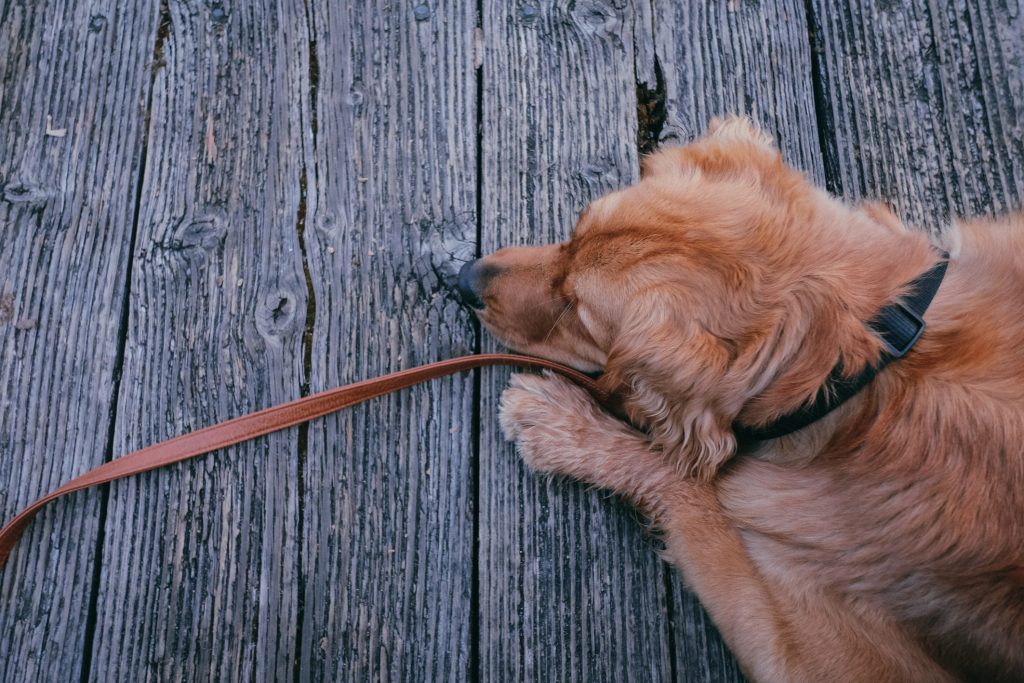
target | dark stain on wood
[{"x": 650, "y": 111}]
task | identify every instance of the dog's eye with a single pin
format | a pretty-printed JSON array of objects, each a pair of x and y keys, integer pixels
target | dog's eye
[{"x": 558, "y": 285}]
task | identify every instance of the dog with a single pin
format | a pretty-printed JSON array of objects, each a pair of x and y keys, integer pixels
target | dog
[{"x": 882, "y": 541}]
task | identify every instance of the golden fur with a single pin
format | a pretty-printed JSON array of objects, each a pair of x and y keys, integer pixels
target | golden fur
[{"x": 884, "y": 542}]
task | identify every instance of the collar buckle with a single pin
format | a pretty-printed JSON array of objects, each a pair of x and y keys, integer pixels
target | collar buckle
[{"x": 898, "y": 337}]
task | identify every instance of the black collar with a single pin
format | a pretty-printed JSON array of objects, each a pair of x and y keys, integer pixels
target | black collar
[{"x": 899, "y": 326}]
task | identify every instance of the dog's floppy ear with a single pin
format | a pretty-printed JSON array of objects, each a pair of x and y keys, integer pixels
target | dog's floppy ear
[
  {"x": 738, "y": 128},
  {"x": 673, "y": 376},
  {"x": 676, "y": 161}
]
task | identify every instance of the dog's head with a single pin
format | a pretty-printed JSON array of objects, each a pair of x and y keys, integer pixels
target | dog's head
[{"x": 711, "y": 291}]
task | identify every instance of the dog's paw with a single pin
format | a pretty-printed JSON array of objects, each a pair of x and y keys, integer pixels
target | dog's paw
[
  {"x": 560, "y": 429},
  {"x": 548, "y": 418},
  {"x": 532, "y": 400}
]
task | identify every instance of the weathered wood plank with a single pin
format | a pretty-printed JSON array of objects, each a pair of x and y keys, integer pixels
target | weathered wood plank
[
  {"x": 198, "y": 578},
  {"x": 927, "y": 104},
  {"x": 739, "y": 57},
  {"x": 69, "y": 158},
  {"x": 387, "y": 573},
  {"x": 922, "y": 104},
  {"x": 570, "y": 589},
  {"x": 714, "y": 59}
]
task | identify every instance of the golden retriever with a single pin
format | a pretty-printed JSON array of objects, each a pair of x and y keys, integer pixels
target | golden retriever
[{"x": 884, "y": 541}]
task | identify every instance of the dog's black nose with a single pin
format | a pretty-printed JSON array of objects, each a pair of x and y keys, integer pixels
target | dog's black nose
[{"x": 469, "y": 284}]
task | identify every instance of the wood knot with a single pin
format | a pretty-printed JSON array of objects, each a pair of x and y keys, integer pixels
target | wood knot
[
  {"x": 529, "y": 13},
  {"x": 276, "y": 314},
  {"x": 597, "y": 17},
  {"x": 599, "y": 176},
  {"x": 16, "y": 192},
  {"x": 202, "y": 234}
]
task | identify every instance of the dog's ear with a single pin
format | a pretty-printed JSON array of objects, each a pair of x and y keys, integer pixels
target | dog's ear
[
  {"x": 735, "y": 127},
  {"x": 693, "y": 159},
  {"x": 675, "y": 377}
]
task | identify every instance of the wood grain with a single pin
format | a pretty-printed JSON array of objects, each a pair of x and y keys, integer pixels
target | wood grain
[
  {"x": 570, "y": 589},
  {"x": 207, "y": 208},
  {"x": 198, "y": 579},
  {"x": 740, "y": 57},
  {"x": 926, "y": 102},
  {"x": 69, "y": 155},
  {"x": 388, "y": 499}
]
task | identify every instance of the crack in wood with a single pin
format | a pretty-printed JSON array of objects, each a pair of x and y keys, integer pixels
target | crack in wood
[
  {"x": 822, "y": 108},
  {"x": 302, "y": 444},
  {"x": 650, "y": 111},
  {"x": 163, "y": 31}
]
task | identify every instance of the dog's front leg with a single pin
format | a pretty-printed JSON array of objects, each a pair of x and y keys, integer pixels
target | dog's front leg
[
  {"x": 560, "y": 430},
  {"x": 778, "y": 632}
]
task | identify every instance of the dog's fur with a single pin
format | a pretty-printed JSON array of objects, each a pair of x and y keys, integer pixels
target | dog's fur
[{"x": 883, "y": 542}]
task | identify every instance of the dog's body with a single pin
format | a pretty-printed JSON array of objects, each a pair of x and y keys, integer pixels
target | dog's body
[{"x": 882, "y": 542}]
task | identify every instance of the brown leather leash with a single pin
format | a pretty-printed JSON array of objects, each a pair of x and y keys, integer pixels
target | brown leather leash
[{"x": 273, "y": 419}]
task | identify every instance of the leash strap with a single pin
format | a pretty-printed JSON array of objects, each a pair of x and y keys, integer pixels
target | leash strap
[{"x": 273, "y": 419}]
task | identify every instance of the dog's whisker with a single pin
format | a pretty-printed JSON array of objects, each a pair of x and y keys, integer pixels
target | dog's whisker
[{"x": 561, "y": 315}]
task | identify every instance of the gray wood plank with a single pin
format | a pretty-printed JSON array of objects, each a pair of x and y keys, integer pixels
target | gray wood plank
[
  {"x": 744, "y": 58},
  {"x": 349, "y": 545},
  {"x": 388, "y": 497},
  {"x": 69, "y": 163},
  {"x": 926, "y": 101},
  {"x": 570, "y": 588},
  {"x": 718, "y": 58},
  {"x": 198, "y": 578}
]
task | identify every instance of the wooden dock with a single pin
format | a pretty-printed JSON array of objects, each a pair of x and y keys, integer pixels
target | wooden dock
[{"x": 210, "y": 207}]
